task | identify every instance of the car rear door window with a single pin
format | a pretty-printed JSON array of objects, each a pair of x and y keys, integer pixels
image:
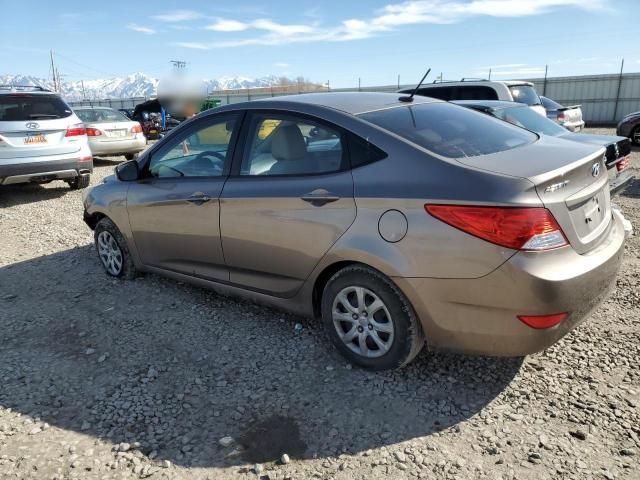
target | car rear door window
[
  {"x": 441, "y": 93},
  {"x": 280, "y": 144},
  {"x": 362, "y": 152},
  {"x": 21, "y": 107},
  {"x": 201, "y": 151},
  {"x": 449, "y": 130},
  {"x": 475, "y": 92}
]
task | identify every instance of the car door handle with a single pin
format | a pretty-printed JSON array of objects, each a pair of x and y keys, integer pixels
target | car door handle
[
  {"x": 198, "y": 198},
  {"x": 319, "y": 197}
]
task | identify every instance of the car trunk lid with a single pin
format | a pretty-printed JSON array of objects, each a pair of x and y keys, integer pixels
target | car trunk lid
[
  {"x": 570, "y": 179},
  {"x": 114, "y": 130}
]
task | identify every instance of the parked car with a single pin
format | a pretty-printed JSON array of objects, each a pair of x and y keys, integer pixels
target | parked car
[
  {"x": 111, "y": 133},
  {"x": 617, "y": 149},
  {"x": 629, "y": 127},
  {"x": 567, "y": 117},
  {"x": 396, "y": 223},
  {"x": 508, "y": 91},
  {"x": 41, "y": 139}
]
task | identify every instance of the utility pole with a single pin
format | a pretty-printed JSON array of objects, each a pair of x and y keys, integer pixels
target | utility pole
[
  {"x": 84, "y": 95},
  {"x": 489, "y": 74},
  {"x": 615, "y": 109},
  {"x": 178, "y": 64},
  {"x": 544, "y": 84},
  {"x": 398, "y": 81}
]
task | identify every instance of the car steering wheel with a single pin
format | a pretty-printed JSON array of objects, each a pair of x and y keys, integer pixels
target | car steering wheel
[{"x": 210, "y": 153}]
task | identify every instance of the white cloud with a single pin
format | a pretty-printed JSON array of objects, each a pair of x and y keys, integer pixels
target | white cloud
[
  {"x": 224, "y": 25},
  {"x": 282, "y": 65},
  {"x": 178, "y": 16},
  {"x": 192, "y": 45},
  {"x": 141, "y": 29},
  {"x": 389, "y": 18}
]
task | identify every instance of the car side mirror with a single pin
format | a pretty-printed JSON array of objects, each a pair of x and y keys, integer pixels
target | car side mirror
[{"x": 128, "y": 171}]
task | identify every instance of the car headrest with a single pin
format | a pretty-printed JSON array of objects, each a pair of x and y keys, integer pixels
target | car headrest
[{"x": 288, "y": 143}]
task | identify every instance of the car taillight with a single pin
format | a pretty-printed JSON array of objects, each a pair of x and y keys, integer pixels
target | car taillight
[
  {"x": 622, "y": 164},
  {"x": 76, "y": 130},
  {"x": 93, "y": 132},
  {"x": 519, "y": 228},
  {"x": 561, "y": 116},
  {"x": 136, "y": 128},
  {"x": 87, "y": 158},
  {"x": 542, "y": 321}
]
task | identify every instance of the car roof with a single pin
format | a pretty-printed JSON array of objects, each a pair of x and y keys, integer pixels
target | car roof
[
  {"x": 30, "y": 89},
  {"x": 353, "y": 103},
  {"x": 489, "y": 104}
]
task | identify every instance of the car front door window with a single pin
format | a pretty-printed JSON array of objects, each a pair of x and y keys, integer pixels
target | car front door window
[{"x": 198, "y": 153}]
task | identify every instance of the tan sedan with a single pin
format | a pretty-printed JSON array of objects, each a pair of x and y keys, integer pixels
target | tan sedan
[{"x": 111, "y": 133}]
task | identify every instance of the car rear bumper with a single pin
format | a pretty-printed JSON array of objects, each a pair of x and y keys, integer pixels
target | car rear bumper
[
  {"x": 574, "y": 126},
  {"x": 480, "y": 316},
  {"x": 43, "y": 170},
  {"x": 118, "y": 147}
]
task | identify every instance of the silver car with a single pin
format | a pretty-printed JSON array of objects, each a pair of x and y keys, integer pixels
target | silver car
[
  {"x": 41, "y": 139},
  {"x": 567, "y": 117},
  {"x": 111, "y": 133},
  {"x": 397, "y": 223}
]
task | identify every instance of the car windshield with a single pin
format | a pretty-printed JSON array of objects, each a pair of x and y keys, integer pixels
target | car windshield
[
  {"x": 450, "y": 130},
  {"x": 100, "y": 115},
  {"x": 24, "y": 106},
  {"x": 550, "y": 104},
  {"x": 525, "y": 94},
  {"x": 526, "y": 118}
]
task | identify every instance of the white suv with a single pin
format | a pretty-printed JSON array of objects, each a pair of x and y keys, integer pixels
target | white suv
[
  {"x": 41, "y": 139},
  {"x": 509, "y": 91}
]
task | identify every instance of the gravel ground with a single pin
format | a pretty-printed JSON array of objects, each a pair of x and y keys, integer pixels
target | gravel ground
[{"x": 102, "y": 379}]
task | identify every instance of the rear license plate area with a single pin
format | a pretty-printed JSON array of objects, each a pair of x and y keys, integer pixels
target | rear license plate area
[
  {"x": 117, "y": 133},
  {"x": 34, "y": 139},
  {"x": 589, "y": 214}
]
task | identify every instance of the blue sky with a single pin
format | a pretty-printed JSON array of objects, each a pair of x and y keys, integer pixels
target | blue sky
[{"x": 333, "y": 40}]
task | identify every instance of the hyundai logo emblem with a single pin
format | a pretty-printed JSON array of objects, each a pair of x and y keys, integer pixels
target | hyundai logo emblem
[
  {"x": 32, "y": 125},
  {"x": 595, "y": 169}
]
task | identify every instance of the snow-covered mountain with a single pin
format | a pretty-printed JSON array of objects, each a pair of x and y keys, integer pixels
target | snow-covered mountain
[{"x": 135, "y": 85}]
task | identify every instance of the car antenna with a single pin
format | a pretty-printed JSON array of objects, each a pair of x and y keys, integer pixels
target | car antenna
[{"x": 415, "y": 90}]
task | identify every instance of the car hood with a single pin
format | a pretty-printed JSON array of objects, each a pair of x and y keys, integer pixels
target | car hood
[{"x": 592, "y": 138}]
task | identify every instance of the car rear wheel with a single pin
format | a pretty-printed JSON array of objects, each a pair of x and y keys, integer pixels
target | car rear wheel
[
  {"x": 129, "y": 156},
  {"x": 113, "y": 250},
  {"x": 369, "y": 320},
  {"x": 635, "y": 136},
  {"x": 80, "y": 182}
]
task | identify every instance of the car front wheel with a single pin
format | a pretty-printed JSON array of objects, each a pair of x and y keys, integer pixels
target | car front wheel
[
  {"x": 369, "y": 319},
  {"x": 113, "y": 251},
  {"x": 635, "y": 136}
]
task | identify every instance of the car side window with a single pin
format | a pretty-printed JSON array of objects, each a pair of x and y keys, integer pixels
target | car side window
[
  {"x": 196, "y": 153},
  {"x": 290, "y": 145},
  {"x": 363, "y": 152}
]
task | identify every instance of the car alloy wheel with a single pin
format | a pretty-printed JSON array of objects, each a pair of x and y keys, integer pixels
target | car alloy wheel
[
  {"x": 110, "y": 253},
  {"x": 363, "y": 322}
]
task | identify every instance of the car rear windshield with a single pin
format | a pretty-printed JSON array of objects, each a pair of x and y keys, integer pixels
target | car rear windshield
[
  {"x": 550, "y": 104},
  {"x": 450, "y": 130},
  {"x": 24, "y": 106},
  {"x": 100, "y": 115},
  {"x": 525, "y": 94},
  {"x": 527, "y": 118}
]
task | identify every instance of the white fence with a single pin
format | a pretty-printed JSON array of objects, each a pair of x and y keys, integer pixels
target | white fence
[{"x": 605, "y": 99}]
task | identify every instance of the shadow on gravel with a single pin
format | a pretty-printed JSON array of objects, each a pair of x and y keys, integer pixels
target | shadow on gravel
[
  {"x": 632, "y": 190},
  {"x": 107, "y": 161},
  {"x": 22, "y": 194},
  {"x": 177, "y": 368}
]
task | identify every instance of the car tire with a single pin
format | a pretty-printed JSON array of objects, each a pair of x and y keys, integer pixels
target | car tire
[
  {"x": 113, "y": 250},
  {"x": 80, "y": 182},
  {"x": 635, "y": 136},
  {"x": 387, "y": 315},
  {"x": 129, "y": 156}
]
